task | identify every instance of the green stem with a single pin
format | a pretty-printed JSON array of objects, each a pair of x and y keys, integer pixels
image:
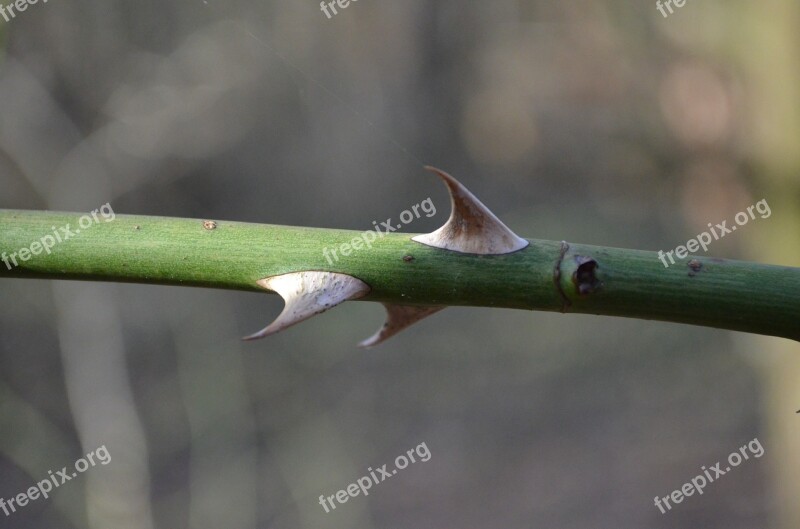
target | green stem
[{"x": 547, "y": 275}]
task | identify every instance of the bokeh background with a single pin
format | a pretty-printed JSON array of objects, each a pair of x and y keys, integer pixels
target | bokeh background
[{"x": 598, "y": 122}]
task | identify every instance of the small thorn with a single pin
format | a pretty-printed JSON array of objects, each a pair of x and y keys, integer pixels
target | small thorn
[
  {"x": 398, "y": 317},
  {"x": 307, "y": 294},
  {"x": 472, "y": 227}
]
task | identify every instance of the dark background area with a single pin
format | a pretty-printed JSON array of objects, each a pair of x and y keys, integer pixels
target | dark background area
[{"x": 595, "y": 122}]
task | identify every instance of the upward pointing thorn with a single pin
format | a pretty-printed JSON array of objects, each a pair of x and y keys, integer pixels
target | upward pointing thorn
[{"x": 472, "y": 227}]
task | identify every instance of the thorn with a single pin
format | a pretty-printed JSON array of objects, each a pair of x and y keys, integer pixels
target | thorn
[
  {"x": 398, "y": 317},
  {"x": 472, "y": 227},
  {"x": 307, "y": 294}
]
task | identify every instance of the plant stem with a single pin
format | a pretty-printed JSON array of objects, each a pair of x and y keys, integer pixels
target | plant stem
[{"x": 547, "y": 275}]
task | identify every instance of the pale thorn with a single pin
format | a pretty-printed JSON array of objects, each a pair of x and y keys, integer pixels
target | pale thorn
[
  {"x": 307, "y": 294},
  {"x": 472, "y": 228},
  {"x": 398, "y": 317}
]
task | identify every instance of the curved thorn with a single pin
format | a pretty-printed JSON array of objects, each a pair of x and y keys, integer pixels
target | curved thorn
[
  {"x": 307, "y": 294},
  {"x": 398, "y": 317},
  {"x": 472, "y": 227}
]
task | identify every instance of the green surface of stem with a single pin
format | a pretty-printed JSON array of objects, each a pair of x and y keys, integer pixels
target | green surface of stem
[{"x": 547, "y": 275}]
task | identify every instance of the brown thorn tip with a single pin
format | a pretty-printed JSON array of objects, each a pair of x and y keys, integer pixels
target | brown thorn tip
[{"x": 398, "y": 317}]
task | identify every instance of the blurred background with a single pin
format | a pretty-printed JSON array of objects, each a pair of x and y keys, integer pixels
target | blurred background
[{"x": 550, "y": 112}]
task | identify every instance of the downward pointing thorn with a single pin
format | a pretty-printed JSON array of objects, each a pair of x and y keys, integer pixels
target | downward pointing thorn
[
  {"x": 398, "y": 317},
  {"x": 307, "y": 294}
]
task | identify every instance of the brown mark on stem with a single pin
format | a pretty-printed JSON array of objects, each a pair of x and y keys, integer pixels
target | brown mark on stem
[{"x": 557, "y": 276}]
